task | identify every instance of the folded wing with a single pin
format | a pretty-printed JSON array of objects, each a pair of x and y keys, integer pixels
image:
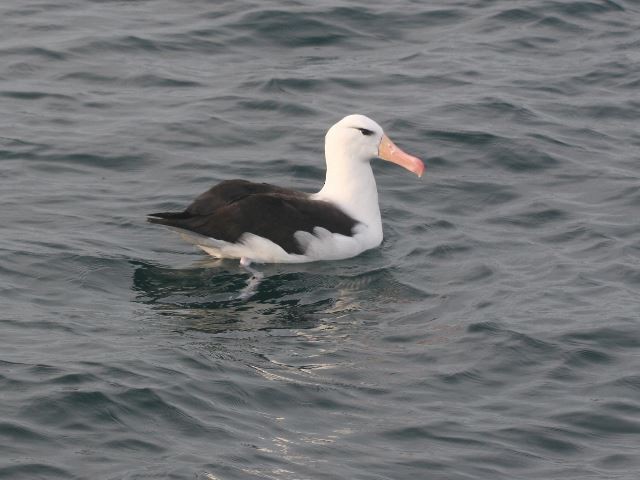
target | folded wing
[{"x": 235, "y": 207}]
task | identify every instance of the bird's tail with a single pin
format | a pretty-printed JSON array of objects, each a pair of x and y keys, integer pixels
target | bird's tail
[{"x": 171, "y": 219}]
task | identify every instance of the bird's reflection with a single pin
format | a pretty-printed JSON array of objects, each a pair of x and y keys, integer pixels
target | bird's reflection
[{"x": 211, "y": 295}]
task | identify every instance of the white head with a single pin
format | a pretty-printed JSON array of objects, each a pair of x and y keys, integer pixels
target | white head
[{"x": 359, "y": 139}]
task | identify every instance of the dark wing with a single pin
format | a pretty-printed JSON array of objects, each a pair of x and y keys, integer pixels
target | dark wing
[
  {"x": 231, "y": 191},
  {"x": 275, "y": 214}
]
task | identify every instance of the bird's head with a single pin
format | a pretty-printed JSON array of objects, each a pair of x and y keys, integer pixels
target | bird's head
[{"x": 359, "y": 138}]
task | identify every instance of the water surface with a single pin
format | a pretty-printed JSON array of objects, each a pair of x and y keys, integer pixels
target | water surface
[{"x": 494, "y": 334}]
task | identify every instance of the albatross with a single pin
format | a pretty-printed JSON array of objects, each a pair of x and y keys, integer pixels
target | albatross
[{"x": 263, "y": 223}]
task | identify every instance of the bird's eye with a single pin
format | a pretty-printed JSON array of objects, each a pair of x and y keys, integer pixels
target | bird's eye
[{"x": 366, "y": 132}]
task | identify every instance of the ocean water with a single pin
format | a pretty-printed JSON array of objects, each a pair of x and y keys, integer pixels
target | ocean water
[{"x": 495, "y": 334}]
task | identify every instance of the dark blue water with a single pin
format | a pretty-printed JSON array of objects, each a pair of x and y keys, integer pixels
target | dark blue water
[{"x": 494, "y": 335}]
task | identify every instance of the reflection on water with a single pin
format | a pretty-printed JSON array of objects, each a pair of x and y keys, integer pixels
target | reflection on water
[{"x": 207, "y": 295}]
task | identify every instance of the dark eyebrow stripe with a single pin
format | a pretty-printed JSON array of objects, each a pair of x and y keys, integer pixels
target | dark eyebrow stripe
[{"x": 364, "y": 131}]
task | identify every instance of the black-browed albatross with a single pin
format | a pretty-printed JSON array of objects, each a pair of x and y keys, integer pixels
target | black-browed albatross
[{"x": 262, "y": 223}]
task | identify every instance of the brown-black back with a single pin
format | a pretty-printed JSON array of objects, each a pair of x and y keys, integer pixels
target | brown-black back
[{"x": 234, "y": 207}]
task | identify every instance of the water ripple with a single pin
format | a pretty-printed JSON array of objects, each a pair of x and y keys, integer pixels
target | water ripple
[{"x": 492, "y": 335}]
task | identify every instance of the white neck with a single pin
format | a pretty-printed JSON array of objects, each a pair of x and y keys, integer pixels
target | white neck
[{"x": 350, "y": 185}]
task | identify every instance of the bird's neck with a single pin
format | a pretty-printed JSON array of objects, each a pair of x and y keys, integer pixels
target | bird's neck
[{"x": 351, "y": 186}]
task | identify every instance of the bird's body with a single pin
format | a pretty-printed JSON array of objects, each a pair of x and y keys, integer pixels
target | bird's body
[{"x": 263, "y": 223}]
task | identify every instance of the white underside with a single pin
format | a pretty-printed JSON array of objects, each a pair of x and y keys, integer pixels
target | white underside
[{"x": 321, "y": 245}]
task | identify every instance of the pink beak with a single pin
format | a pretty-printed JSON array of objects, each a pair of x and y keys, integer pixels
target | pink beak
[{"x": 389, "y": 151}]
